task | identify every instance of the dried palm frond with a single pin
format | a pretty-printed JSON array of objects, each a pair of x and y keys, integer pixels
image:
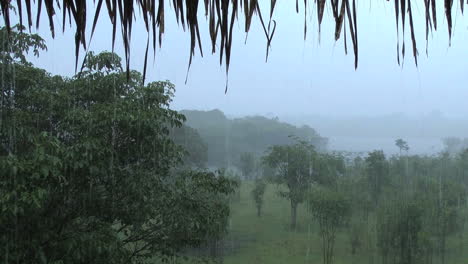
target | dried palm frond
[{"x": 221, "y": 15}]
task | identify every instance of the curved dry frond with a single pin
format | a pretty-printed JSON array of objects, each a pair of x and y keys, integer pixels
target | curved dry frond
[{"x": 221, "y": 15}]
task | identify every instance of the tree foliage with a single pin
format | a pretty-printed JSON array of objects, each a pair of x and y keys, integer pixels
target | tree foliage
[
  {"x": 400, "y": 226},
  {"x": 88, "y": 171},
  {"x": 293, "y": 168},
  {"x": 257, "y": 195},
  {"x": 402, "y": 145},
  {"x": 413, "y": 219},
  {"x": 331, "y": 210},
  {"x": 196, "y": 150},
  {"x": 377, "y": 173}
]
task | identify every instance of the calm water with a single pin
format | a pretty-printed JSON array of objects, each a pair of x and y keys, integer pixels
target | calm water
[{"x": 426, "y": 146}]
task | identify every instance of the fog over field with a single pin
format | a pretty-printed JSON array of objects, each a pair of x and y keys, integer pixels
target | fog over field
[{"x": 424, "y": 133}]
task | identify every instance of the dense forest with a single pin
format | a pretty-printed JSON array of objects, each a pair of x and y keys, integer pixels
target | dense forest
[{"x": 98, "y": 168}]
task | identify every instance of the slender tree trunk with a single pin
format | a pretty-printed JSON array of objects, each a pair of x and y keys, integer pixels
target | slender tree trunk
[
  {"x": 213, "y": 249},
  {"x": 442, "y": 248},
  {"x": 293, "y": 214},
  {"x": 220, "y": 250},
  {"x": 462, "y": 227},
  {"x": 259, "y": 211}
]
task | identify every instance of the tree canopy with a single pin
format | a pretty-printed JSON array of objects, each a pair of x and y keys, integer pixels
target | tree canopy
[
  {"x": 88, "y": 170},
  {"x": 292, "y": 166}
]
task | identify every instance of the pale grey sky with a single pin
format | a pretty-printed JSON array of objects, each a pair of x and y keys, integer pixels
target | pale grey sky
[{"x": 301, "y": 77}]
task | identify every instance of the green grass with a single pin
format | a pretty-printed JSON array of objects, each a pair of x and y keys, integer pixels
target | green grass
[{"x": 269, "y": 239}]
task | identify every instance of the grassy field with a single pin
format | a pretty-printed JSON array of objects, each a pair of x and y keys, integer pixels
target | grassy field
[{"x": 269, "y": 239}]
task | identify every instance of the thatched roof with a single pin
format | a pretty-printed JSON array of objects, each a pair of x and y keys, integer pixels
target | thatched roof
[{"x": 221, "y": 15}]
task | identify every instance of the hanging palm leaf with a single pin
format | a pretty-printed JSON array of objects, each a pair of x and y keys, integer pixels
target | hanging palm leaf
[{"x": 220, "y": 14}]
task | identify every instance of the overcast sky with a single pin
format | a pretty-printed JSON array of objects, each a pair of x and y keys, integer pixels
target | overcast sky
[{"x": 300, "y": 77}]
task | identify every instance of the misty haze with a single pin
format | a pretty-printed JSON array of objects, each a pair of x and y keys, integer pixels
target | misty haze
[{"x": 233, "y": 131}]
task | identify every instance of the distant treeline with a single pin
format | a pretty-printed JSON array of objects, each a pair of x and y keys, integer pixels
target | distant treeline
[{"x": 226, "y": 139}]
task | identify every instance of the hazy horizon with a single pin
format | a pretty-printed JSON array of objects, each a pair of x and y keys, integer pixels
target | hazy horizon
[
  {"x": 309, "y": 82},
  {"x": 364, "y": 134}
]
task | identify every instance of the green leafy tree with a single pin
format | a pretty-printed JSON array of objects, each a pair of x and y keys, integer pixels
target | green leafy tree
[
  {"x": 377, "y": 174},
  {"x": 292, "y": 166},
  {"x": 17, "y": 44},
  {"x": 196, "y": 150},
  {"x": 445, "y": 218},
  {"x": 257, "y": 195},
  {"x": 399, "y": 228},
  {"x": 328, "y": 167},
  {"x": 236, "y": 179},
  {"x": 463, "y": 167},
  {"x": 402, "y": 145},
  {"x": 88, "y": 169},
  {"x": 331, "y": 210}
]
